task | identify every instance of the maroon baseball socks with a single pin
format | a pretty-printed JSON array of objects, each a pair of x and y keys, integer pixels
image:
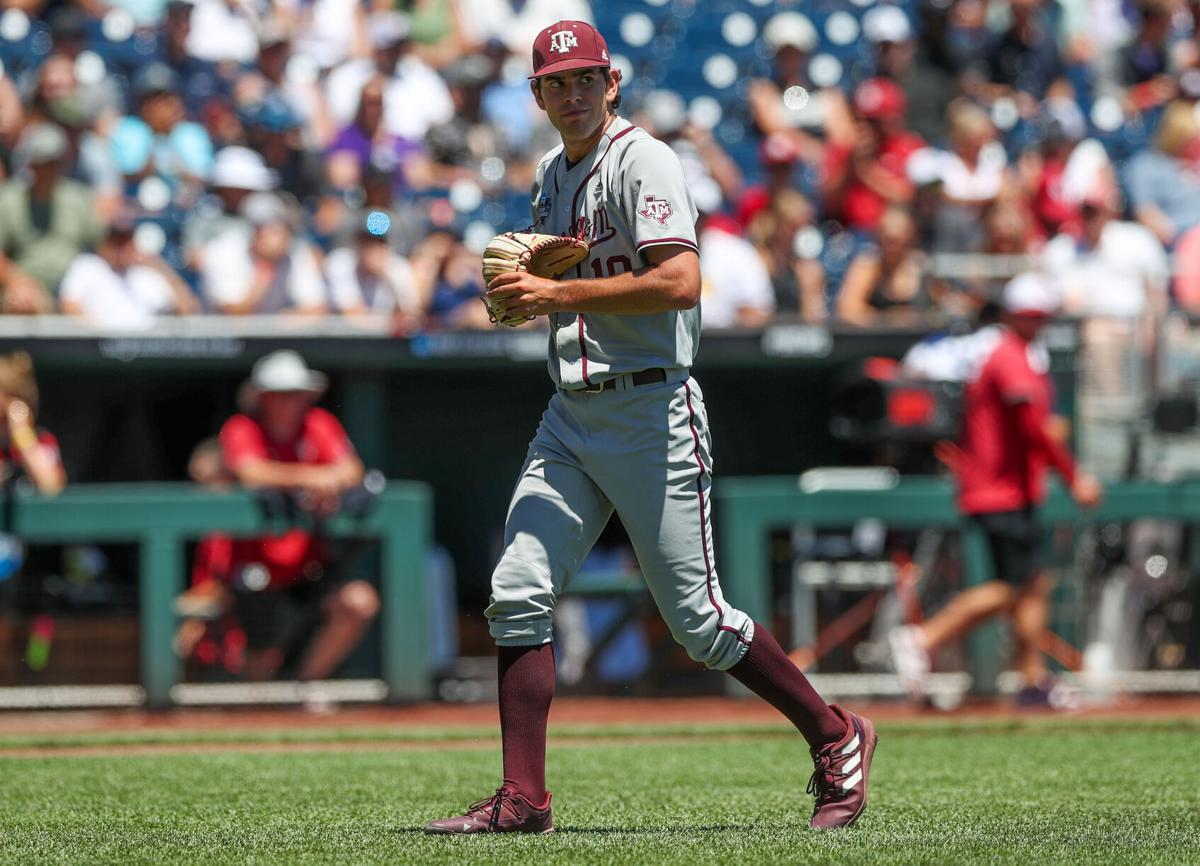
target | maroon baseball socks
[
  {"x": 767, "y": 671},
  {"x": 526, "y": 678}
]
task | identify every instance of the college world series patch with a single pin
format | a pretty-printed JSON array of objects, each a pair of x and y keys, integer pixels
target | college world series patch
[{"x": 657, "y": 209}]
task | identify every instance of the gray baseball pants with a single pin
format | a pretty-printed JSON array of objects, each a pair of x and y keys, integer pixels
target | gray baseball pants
[{"x": 644, "y": 452}]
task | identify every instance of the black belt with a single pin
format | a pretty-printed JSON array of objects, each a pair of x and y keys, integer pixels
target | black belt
[{"x": 641, "y": 377}]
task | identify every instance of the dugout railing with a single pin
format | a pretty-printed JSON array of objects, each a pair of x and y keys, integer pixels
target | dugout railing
[
  {"x": 161, "y": 518},
  {"x": 748, "y": 509}
]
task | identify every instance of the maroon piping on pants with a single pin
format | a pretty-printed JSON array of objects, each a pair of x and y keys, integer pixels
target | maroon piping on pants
[
  {"x": 583, "y": 350},
  {"x": 703, "y": 525}
]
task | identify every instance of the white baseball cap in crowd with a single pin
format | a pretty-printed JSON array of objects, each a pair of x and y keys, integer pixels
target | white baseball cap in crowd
[
  {"x": 266, "y": 208},
  {"x": 886, "y": 24},
  {"x": 42, "y": 143},
  {"x": 1031, "y": 294},
  {"x": 242, "y": 168},
  {"x": 665, "y": 111},
  {"x": 706, "y": 194},
  {"x": 790, "y": 28},
  {"x": 281, "y": 371},
  {"x": 387, "y": 29}
]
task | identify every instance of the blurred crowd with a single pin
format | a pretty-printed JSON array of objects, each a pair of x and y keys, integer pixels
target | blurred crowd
[{"x": 861, "y": 161}]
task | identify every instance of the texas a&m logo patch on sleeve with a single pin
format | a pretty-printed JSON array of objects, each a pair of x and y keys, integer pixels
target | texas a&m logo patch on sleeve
[{"x": 657, "y": 209}]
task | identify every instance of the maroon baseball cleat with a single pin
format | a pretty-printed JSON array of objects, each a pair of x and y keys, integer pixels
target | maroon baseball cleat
[
  {"x": 506, "y": 811},
  {"x": 839, "y": 779}
]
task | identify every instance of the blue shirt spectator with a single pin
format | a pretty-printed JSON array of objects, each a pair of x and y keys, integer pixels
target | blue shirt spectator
[
  {"x": 1164, "y": 188},
  {"x": 158, "y": 140}
]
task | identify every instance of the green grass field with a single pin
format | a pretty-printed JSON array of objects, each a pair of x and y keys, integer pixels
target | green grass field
[{"x": 1035, "y": 792}]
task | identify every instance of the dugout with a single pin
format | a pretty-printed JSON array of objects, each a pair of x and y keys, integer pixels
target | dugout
[{"x": 454, "y": 410}]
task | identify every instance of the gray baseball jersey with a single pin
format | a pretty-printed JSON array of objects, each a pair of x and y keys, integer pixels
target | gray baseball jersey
[
  {"x": 642, "y": 450},
  {"x": 627, "y": 196}
]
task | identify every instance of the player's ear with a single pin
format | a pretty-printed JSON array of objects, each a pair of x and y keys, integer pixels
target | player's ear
[
  {"x": 613, "y": 89},
  {"x": 535, "y": 87}
]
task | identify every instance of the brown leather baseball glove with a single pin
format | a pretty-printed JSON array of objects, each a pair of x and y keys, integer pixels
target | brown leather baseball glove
[{"x": 547, "y": 256}]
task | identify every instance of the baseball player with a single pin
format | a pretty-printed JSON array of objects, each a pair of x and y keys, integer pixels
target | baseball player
[{"x": 626, "y": 431}]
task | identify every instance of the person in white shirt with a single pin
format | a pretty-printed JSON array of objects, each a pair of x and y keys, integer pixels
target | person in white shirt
[
  {"x": 237, "y": 173},
  {"x": 516, "y": 24},
  {"x": 328, "y": 31},
  {"x": 735, "y": 287},
  {"x": 1114, "y": 276},
  {"x": 270, "y": 271},
  {"x": 370, "y": 278},
  {"x": 415, "y": 97},
  {"x": 973, "y": 174},
  {"x": 1115, "y": 269},
  {"x": 222, "y": 31},
  {"x": 973, "y": 170},
  {"x": 119, "y": 288}
]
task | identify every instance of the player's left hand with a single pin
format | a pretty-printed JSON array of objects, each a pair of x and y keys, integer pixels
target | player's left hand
[{"x": 521, "y": 294}]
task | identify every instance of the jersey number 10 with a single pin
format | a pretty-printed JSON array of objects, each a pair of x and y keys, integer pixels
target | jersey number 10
[{"x": 615, "y": 264}]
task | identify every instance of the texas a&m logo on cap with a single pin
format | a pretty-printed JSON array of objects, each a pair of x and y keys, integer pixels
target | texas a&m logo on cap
[
  {"x": 563, "y": 41},
  {"x": 567, "y": 45},
  {"x": 657, "y": 209}
]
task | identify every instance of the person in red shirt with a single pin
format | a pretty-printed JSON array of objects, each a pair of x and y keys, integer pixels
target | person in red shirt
[
  {"x": 29, "y": 461},
  {"x": 1009, "y": 441},
  {"x": 866, "y": 159},
  {"x": 28, "y": 453},
  {"x": 282, "y": 442}
]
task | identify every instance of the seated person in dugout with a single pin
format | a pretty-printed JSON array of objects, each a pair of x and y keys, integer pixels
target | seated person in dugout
[
  {"x": 29, "y": 462},
  {"x": 28, "y": 453},
  {"x": 278, "y": 604}
]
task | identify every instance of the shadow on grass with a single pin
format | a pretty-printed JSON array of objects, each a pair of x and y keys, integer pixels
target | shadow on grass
[
  {"x": 613, "y": 831},
  {"x": 656, "y": 831}
]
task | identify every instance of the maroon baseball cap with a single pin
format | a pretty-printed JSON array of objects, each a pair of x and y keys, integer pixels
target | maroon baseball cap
[
  {"x": 568, "y": 45},
  {"x": 880, "y": 99}
]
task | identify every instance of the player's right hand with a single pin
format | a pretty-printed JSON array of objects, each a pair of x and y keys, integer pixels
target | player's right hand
[{"x": 519, "y": 295}]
